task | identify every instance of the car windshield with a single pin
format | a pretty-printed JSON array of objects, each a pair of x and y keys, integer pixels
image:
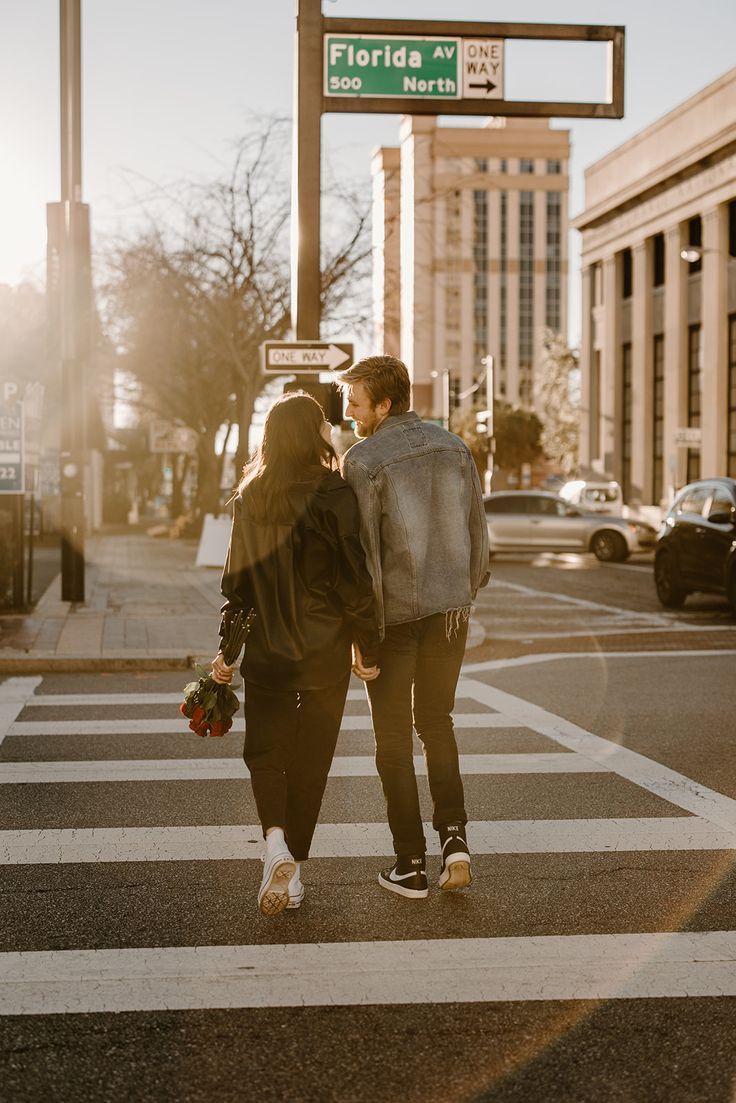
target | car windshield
[{"x": 600, "y": 494}]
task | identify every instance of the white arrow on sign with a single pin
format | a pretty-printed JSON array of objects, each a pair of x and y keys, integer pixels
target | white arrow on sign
[{"x": 286, "y": 356}]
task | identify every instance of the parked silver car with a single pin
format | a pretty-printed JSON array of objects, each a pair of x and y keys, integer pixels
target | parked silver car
[{"x": 534, "y": 520}]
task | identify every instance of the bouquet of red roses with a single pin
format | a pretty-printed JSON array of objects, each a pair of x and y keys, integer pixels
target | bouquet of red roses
[{"x": 210, "y": 705}]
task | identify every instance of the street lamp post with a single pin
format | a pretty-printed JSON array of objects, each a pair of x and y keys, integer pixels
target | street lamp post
[{"x": 73, "y": 318}]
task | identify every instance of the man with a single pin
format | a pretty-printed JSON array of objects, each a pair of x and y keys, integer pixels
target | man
[{"x": 424, "y": 532}]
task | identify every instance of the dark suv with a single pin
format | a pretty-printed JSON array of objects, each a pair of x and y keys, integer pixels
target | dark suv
[{"x": 696, "y": 548}]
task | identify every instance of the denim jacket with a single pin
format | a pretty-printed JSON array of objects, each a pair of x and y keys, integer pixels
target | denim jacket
[{"x": 423, "y": 525}]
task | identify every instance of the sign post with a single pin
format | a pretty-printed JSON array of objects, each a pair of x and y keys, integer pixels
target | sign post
[{"x": 410, "y": 67}]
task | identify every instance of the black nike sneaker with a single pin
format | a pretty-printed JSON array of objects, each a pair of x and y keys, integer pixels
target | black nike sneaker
[
  {"x": 455, "y": 872},
  {"x": 407, "y": 877}
]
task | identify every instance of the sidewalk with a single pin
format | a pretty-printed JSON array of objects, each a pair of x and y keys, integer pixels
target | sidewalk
[{"x": 147, "y": 606}]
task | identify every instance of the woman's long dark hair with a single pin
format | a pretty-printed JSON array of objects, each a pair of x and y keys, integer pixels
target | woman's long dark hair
[{"x": 293, "y": 455}]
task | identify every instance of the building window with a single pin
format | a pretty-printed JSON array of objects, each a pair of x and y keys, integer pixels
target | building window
[
  {"x": 658, "y": 418},
  {"x": 526, "y": 295},
  {"x": 694, "y": 385},
  {"x": 695, "y": 237},
  {"x": 481, "y": 164},
  {"x": 732, "y": 228},
  {"x": 503, "y": 165},
  {"x": 658, "y": 260},
  {"x": 525, "y": 165},
  {"x": 554, "y": 168},
  {"x": 626, "y": 421},
  {"x": 731, "y": 423},
  {"x": 595, "y": 404},
  {"x": 553, "y": 261},
  {"x": 480, "y": 273},
  {"x": 627, "y": 274},
  {"x": 504, "y": 283}
]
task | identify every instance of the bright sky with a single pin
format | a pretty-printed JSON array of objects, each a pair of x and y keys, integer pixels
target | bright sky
[{"x": 169, "y": 85}]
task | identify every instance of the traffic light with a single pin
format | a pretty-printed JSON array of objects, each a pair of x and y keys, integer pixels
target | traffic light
[{"x": 327, "y": 394}]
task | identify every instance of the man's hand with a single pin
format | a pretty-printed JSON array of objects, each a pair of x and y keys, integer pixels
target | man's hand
[
  {"x": 221, "y": 673},
  {"x": 365, "y": 673}
]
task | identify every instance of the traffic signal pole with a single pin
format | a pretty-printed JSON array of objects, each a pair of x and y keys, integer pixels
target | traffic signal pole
[{"x": 72, "y": 364}]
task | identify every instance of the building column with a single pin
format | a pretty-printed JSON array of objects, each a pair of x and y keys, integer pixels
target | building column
[
  {"x": 417, "y": 216},
  {"x": 494, "y": 276},
  {"x": 512, "y": 294},
  {"x": 586, "y": 369},
  {"x": 675, "y": 358},
  {"x": 385, "y": 168},
  {"x": 468, "y": 365},
  {"x": 539, "y": 317},
  {"x": 714, "y": 320},
  {"x": 610, "y": 404},
  {"x": 642, "y": 425}
]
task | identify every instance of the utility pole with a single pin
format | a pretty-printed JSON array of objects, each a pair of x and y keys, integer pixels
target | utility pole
[
  {"x": 306, "y": 280},
  {"x": 74, "y": 319}
]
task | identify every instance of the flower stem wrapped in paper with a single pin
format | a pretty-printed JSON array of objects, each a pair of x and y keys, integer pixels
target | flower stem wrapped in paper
[{"x": 209, "y": 705}]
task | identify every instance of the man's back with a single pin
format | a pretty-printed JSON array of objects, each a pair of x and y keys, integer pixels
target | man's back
[{"x": 423, "y": 523}]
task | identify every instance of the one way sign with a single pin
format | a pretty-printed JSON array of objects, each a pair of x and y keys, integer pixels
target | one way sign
[
  {"x": 301, "y": 357},
  {"x": 483, "y": 69}
]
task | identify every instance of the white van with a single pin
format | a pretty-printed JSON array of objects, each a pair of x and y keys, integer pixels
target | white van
[{"x": 592, "y": 496}]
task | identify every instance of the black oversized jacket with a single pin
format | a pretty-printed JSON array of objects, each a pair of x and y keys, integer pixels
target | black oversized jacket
[{"x": 309, "y": 585}]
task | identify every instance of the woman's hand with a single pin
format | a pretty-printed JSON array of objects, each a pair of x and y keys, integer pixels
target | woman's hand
[
  {"x": 221, "y": 673},
  {"x": 365, "y": 673}
]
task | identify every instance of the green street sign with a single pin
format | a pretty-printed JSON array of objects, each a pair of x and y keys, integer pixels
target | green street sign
[{"x": 372, "y": 65}]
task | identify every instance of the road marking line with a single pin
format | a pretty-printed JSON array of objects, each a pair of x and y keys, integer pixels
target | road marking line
[
  {"x": 599, "y": 632},
  {"x": 357, "y": 840},
  {"x": 169, "y": 727},
  {"x": 565, "y": 599},
  {"x": 14, "y": 695},
  {"x": 218, "y": 769},
  {"x": 602, "y": 656},
  {"x": 645, "y": 772},
  {"x": 463, "y": 970}
]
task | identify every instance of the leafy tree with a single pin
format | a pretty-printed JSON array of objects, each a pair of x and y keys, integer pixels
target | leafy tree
[
  {"x": 518, "y": 435},
  {"x": 556, "y": 395},
  {"x": 192, "y": 299}
]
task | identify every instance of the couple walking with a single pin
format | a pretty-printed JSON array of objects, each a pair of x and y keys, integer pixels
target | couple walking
[{"x": 372, "y": 569}]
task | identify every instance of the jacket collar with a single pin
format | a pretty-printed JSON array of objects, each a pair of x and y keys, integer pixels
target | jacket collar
[{"x": 398, "y": 419}]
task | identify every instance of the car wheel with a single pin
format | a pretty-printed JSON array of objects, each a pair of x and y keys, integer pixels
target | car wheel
[
  {"x": 609, "y": 547},
  {"x": 667, "y": 581}
]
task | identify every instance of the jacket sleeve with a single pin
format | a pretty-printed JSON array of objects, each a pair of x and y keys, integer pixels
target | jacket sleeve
[
  {"x": 235, "y": 584},
  {"x": 480, "y": 559},
  {"x": 369, "y": 513},
  {"x": 353, "y": 584}
]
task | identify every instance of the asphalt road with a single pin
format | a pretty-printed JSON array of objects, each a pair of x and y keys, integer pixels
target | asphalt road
[{"x": 593, "y": 959}]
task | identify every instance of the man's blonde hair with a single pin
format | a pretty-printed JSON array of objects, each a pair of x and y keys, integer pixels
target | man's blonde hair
[{"x": 384, "y": 377}]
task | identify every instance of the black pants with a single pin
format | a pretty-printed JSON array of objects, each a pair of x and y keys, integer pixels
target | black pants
[
  {"x": 290, "y": 738},
  {"x": 420, "y": 668}
]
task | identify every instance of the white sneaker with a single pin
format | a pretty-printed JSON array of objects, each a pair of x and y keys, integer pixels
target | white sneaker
[
  {"x": 278, "y": 870},
  {"x": 295, "y": 889}
]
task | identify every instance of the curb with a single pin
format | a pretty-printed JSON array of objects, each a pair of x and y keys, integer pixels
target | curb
[{"x": 76, "y": 664}]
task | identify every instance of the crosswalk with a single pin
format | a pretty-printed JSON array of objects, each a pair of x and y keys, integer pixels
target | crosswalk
[{"x": 72, "y": 756}]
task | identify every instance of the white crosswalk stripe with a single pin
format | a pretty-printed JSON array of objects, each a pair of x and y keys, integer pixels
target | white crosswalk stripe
[
  {"x": 478, "y": 970},
  {"x": 549, "y": 967},
  {"x": 214, "y": 769}
]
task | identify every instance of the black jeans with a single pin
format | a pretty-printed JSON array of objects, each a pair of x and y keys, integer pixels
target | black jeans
[
  {"x": 420, "y": 667},
  {"x": 290, "y": 738}
]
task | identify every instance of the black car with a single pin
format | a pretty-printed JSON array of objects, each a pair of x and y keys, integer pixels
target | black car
[{"x": 696, "y": 548}]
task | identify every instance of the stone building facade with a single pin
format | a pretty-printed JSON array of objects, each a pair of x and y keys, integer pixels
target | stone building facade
[
  {"x": 470, "y": 229},
  {"x": 658, "y": 351}
]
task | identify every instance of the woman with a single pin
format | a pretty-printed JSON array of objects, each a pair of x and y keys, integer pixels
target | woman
[{"x": 295, "y": 557}]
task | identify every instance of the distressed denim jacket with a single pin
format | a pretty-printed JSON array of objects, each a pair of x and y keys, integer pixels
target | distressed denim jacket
[{"x": 423, "y": 525}]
